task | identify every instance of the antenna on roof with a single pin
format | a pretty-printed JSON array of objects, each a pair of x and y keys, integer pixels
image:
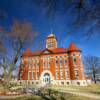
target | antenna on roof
[{"x": 51, "y": 30}]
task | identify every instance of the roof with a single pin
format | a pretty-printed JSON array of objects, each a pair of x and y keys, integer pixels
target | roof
[
  {"x": 59, "y": 50},
  {"x": 51, "y": 36},
  {"x": 71, "y": 48},
  {"x": 27, "y": 52},
  {"x": 42, "y": 52}
]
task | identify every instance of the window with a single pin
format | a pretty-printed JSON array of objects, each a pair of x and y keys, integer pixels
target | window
[
  {"x": 20, "y": 83},
  {"x": 73, "y": 54},
  {"x": 62, "y": 75},
  {"x": 80, "y": 60},
  {"x": 67, "y": 83},
  {"x": 46, "y": 63},
  {"x": 56, "y": 57},
  {"x": 65, "y": 62},
  {"x": 60, "y": 61},
  {"x": 57, "y": 62},
  {"x": 29, "y": 74},
  {"x": 37, "y": 75},
  {"x": 37, "y": 63},
  {"x": 78, "y": 83},
  {"x": 28, "y": 82},
  {"x": 32, "y": 82},
  {"x": 76, "y": 74},
  {"x": 30, "y": 65},
  {"x": 32, "y": 75},
  {"x": 56, "y": 74},
  {"x": 29, "y": 60},
  {"x": 62, "y": 83},
  {"x": 36, "y": 82},
  {"x": 74, "y": 60},
  {"x": 66, "y": 74}
]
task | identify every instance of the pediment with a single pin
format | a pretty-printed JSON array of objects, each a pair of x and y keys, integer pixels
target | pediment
[{"x": 46, "y": 51}]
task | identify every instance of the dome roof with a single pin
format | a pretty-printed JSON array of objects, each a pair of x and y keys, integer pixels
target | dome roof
[{"x": 73, "y": 47}]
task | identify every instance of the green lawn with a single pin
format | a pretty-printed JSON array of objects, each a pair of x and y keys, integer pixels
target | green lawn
[
  {"x": 93, "y": 89},
  {"x": 53, "y": 97}
]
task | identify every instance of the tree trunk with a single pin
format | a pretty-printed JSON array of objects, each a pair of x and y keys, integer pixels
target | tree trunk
[
  {"x": 94, "y": 75},
  {"x": 10, "y": 72},
  {"x": 5, "y": 73}
]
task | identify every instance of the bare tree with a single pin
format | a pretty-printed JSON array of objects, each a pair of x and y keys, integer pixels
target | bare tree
[
  {"x": 19, "y": 36},
  {"x": 2, "y": 60},
  {"x": 92, "y": 65}
]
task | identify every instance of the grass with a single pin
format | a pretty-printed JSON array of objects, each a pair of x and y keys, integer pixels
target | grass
[
  {"x": 93, "y": 89},
  {"x": 52, "y": 97},
  {"x": 78, "y": 98},
  {"x": 25, "y": 98},
  {"x": 55, "y": 95}
]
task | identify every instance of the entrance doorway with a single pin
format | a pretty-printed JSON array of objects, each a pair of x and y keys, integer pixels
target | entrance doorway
[{"x": 46, "y": 78}]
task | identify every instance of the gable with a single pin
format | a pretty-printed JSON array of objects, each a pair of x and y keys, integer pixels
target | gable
[{"x": 46, "y": 52}]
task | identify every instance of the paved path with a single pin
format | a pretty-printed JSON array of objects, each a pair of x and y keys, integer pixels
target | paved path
[{"x": 79, "y": 93}]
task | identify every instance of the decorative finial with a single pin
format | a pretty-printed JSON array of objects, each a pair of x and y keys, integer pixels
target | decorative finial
[{"x": 51, "y": 30}]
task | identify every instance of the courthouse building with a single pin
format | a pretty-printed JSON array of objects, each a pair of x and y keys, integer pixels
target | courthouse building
[{"x": 53, "y": 65}]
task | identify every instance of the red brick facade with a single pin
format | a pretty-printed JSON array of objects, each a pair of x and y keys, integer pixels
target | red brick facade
[{"x": 53, "y": 64}]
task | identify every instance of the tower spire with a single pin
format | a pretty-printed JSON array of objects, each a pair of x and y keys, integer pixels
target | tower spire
[{"x": 51, "y": 30}]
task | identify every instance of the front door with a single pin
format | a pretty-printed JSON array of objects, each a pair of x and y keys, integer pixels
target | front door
[{"x": 46, "y": 78}]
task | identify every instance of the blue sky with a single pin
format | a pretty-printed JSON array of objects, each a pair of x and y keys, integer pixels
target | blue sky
[{"x": 61, "y": 24}]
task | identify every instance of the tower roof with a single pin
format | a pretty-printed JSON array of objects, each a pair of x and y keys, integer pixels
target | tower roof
[
  {"x": 27, "y": 52},
  {"x": 72, "y": 47},
  {"x": 51, "y": 36}
]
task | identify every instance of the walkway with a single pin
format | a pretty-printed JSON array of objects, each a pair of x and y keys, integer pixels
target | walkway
[{"x": 77, "y": 93}]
